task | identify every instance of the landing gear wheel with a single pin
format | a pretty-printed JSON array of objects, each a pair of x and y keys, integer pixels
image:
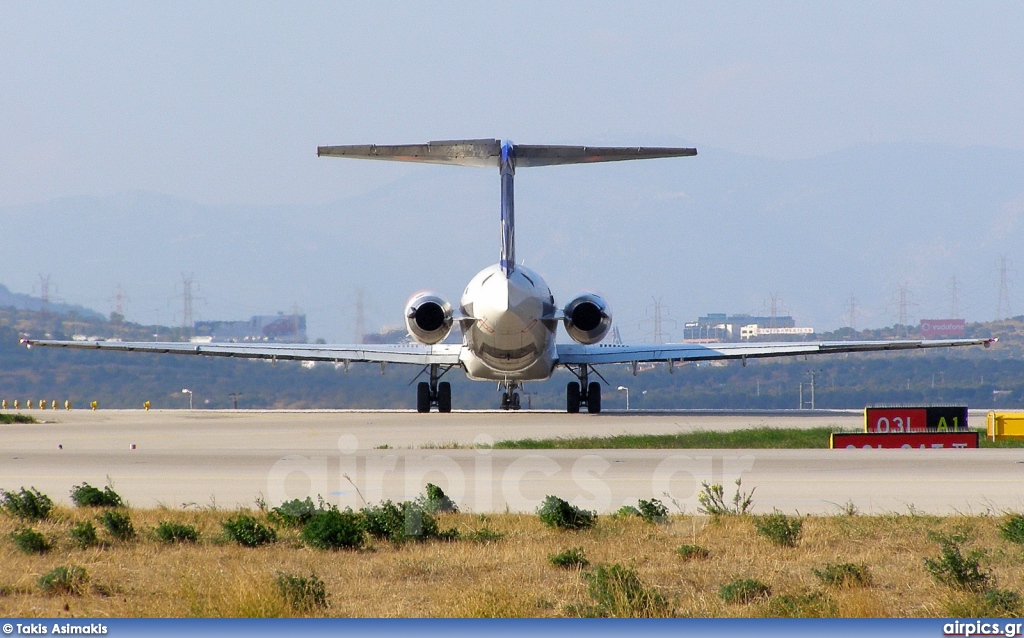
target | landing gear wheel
[
  {"x": 504, "y": 402},
  {"x": 515, "y": 401},
  {"x": 444, "y": 397},
  {"x": 594, "y": 397},
  {"x": 423, "y": 397},
  {"x": 572, "y": 397}
]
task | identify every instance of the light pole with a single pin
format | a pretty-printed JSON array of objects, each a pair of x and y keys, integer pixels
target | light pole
[
  {"x": 189, "y": 393},
  {"x": 622, "y": 387},
  {"x": 234, "y": 399}
]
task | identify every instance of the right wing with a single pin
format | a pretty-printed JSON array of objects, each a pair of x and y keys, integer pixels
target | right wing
[
  {"x": 575, "y": 354},
  {"x": 415, "y": 354}
]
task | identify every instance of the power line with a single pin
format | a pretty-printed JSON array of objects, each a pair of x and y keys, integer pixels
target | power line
[
  {"x": 658, "y": 317},
  {"x": 1003, "y": 306},
  {"x": 360, "y": 325},
  {"x": 954, "y": 290}
]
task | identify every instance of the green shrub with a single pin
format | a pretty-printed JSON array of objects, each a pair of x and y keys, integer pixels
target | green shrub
[
  {"x": 118, "y": 524},
  {"x": 653, "y": 511},
  {"x": 992, "y": 603},
  {"x": 17, "y": 418},
  {"x": 302, "y": 594},
  {"x": 84, "y": 535},
  {"x": 294, "y": 513},
  {"x": 554, "y": 512},
  {"x": 1012, "y": 529},
  {"x": 246, "y": 530},
  {"x": 626, "y": 511},
  {"x": 743, "y": 590},
  {"x": 691, "y": 552},
  {"x": 169, "y": 532},
  {"x": 63, "y": 580},
  {"x": 844, "y": 575},
  {"x": 956, "y": 570},
  {"x": 780, "y": 529},
  {"x": 28, "y": 504},
  {"x": 437, "y": 502},
  {"x": 618, "y": 592},
  {"x": 86, "y": 495},
  {"x": 405, "y": 521},
  {"x": 712, "y": 500},
  {"x": 811, "y": 605},
  {"x": 484, "y": 535},
  {"x": 30, "y": 541},
  {"x": 572, "y": 558},
  {"x": 335, "y": 530}
]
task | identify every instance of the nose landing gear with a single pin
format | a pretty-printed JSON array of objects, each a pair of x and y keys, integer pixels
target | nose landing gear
[{"x": 510, "y": 398}]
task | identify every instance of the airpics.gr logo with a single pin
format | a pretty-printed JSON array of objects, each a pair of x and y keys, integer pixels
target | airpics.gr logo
[{"x": 981, "y": 628}]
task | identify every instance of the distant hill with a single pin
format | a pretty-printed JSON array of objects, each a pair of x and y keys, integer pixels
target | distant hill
[{"x": 20, "y": 301}]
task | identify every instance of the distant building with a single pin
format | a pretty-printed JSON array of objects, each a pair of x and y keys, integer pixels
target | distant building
[
  {"x": 281, "y": 328},
  {"x": 720, "y": 326}
]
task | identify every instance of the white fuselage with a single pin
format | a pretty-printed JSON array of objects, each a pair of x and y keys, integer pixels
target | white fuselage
[{"x": 509, "y": 326}]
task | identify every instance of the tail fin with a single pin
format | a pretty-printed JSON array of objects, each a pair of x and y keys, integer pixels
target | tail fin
[{"x": 506, "y": 156}]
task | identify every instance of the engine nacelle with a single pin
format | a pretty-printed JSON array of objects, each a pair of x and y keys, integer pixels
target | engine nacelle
[
  {"x": 428, "y": 317},
  {"x": 587, "y": 318}
]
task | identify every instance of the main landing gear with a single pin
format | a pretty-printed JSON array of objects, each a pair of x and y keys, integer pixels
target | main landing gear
[
  {"x": 510, "y": 398},
  {"x": 582, "y": 392},
  {"x": 435, "y": 392}
]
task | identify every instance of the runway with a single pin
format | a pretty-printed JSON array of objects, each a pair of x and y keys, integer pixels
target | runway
[{"x": 229, "y": 458}]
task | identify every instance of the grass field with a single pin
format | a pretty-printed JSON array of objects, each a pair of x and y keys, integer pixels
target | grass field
[
  {"x": 751, "y": 439},
  {"x": 511, "y": 576}
]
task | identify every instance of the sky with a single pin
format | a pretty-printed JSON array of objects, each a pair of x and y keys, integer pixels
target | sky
[{"x": 224, "y": 103}]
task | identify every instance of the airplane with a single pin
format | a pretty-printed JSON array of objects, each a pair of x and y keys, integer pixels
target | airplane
[{"x": 507, "y": 314}]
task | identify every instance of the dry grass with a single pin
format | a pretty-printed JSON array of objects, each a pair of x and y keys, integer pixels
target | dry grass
[{"x": 510, "y": 577}]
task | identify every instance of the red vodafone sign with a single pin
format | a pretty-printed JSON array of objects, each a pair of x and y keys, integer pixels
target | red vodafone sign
[{"x": 942, "y": 328}]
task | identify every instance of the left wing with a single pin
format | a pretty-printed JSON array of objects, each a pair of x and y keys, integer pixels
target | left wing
[
  {"x": 416, "y": 354},
  {"x": 576, "y": 354}
]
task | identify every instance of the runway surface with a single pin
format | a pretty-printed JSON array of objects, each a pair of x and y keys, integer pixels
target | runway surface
[{"x": 229, "y": 458}]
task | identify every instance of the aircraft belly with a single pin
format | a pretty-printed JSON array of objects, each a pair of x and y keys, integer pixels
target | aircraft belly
[{"x": 526, "y": 356}]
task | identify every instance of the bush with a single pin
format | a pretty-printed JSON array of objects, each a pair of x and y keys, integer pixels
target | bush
[
  {"x": 27, "y": 504},
  {"x": 626, "y": 511},
  {"x": 1012, "y": 529},
  {"x": 993, "y": 603},
  {"x": 554, "y": 512},
  {"x": 169, "y": 532},
  {"x": 63, "y": 580},
  {"x": 30, "y": 541},
  {"x": 484, "y": 535},
  {"x": 86, "y": 495},
  {"x": 84, "y": 535},
  {"x": 812, "y": 605},
  {"x": 294, "y": 513},
  {"x": 712, "y": 500},
  {"x": 780, "y": 529},
  {"x": 118, "y": 524},
  {"x": 691, "y": 552},
  {"x": 653, "y": 511},
  {"x": 246, "y": 530},
  {"x": 844, "y": 575},
  {"x": 405, "y": 521},
  {"x": 437, "y": 502},
  {"x": 302, "y": 594},
  {"x": 618, "y": 592},
  {"x": 572, "y": 558},
  {"x": 743, "y": 590},
  {"x": 956, "y": 570},
  {"x": 335, "y": 530}
]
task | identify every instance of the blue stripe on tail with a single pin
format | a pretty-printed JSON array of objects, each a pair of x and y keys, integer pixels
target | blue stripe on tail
[{"x": 508, "y": 223}]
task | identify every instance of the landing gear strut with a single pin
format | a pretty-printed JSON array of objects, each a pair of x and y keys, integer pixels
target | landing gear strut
[
  {"x": 510, "y": 398},
  {"x": 582, "y": 392},
  {"x": 434, "y": 392}
]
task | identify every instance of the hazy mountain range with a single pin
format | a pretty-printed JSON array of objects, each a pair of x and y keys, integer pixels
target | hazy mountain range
[{"x": 719, "y": 232}]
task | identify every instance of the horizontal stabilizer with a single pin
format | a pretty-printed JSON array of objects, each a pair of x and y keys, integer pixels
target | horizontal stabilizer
[{"x": 487, "y": 153}]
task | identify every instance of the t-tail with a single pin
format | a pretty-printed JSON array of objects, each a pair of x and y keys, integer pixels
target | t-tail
[{"x": 507, "y": 157}]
